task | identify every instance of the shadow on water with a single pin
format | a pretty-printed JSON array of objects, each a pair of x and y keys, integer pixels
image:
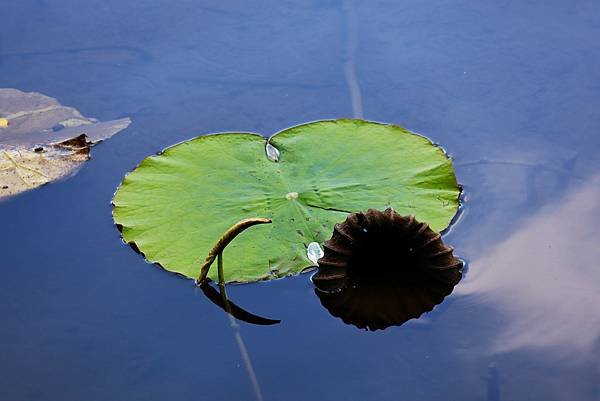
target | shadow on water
[
  {"x": 378, "y": 304},
  {"x": 492, "y": 379},
  {"x": 217, "y": 298}
]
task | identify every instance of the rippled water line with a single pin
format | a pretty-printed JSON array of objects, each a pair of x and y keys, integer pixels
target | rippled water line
[{"x": 350, "y": 58}]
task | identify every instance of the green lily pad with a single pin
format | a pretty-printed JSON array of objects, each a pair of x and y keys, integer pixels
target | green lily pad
[{"x": 174, "y": 206}]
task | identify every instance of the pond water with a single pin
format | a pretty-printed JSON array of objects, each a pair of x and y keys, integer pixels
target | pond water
[{"x": 510, "y": 89}]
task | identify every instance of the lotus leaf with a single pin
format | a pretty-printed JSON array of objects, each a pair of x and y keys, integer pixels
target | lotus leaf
[{"x": 175, "y": 205}]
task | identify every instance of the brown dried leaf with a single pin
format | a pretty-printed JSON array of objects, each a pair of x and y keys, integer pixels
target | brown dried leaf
[{"x": 42, "y": 141}]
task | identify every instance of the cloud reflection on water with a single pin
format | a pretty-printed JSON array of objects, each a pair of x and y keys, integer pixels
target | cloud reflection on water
[{"x": 545, "y": 278}]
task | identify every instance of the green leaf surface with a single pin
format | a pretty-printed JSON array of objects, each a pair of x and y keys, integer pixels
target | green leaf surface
[{"x": 175, "y": 206}]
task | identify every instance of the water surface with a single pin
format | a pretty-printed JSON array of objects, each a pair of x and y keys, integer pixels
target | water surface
[{"x": 510, "y": 89}]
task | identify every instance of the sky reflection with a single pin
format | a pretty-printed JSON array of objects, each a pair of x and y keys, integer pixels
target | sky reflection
[{"x": 545, "y": 278}]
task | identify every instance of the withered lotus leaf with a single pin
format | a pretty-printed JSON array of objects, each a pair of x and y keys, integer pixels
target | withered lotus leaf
[
  {"x": 381, "y": 269},
  {"x": 42, "y": 141}
]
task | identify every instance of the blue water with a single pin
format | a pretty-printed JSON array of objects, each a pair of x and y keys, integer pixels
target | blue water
[{"x": 510, "y": 89}]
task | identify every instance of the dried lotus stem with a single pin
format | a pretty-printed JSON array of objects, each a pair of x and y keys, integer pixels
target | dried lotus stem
[{"x": 225, "y": 239}]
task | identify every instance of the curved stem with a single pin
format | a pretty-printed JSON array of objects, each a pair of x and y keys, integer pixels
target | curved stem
[
  {"x": 222, "y": 290},
  {"x": 225, "y": 239},
  {"x": 220, "y": 269}
]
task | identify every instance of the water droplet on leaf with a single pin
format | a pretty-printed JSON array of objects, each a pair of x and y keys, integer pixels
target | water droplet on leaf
[
  {"x": 314, "y": 252},
  {"x": 272, "y": 153}
]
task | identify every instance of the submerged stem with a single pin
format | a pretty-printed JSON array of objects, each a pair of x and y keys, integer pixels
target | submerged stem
[
  {"x": 238, "y": 336},
  {"x": 217, "y": 252},
  {"x": 225, "y": 239}
]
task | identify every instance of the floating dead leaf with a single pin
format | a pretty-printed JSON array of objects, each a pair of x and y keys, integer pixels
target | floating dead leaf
[{"x": 42, "y": 140}]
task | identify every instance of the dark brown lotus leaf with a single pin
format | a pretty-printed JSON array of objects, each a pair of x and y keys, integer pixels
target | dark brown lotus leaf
[{"x": 381, "y": 269}]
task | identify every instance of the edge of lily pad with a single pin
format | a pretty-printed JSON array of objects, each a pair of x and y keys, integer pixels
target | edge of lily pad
[{"x": 132, "y": 244}]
